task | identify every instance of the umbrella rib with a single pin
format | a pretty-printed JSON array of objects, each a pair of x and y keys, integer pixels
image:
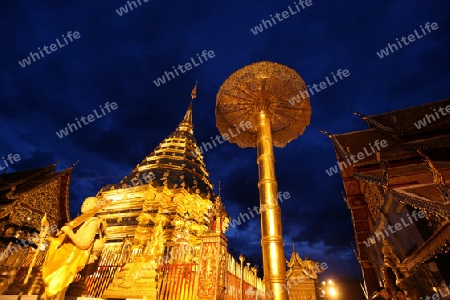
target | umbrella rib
[
  {"x": 236, "y": 97},
  {"x": 281, "y": 105},
  {"x": 251, "y": 96},
  {"x": 233, "y": 112},
  {"x": 239, "y": 117}
]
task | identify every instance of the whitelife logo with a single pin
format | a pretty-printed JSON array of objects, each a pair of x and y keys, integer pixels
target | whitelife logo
[
  {"x": 237, "y": 221},
  {"x": 124, "y": 9},
  {"x": 224, "y": 137},
  {"x": 27, "y": 61},
  {"x": 441, "y": 291},
  {"x": 361, "y": 155},
  {"x": 280, "y": 17},
  {"x": 411, "y": 38},
  {"x": 12, "y": 158},
  {"x": 430, "y": 118},
  {"x": 86, "y": 120},
  {"x": 188, "y": 66},
  {"x": 323, "y": 85},
  {"x": 398, "y": 226}
]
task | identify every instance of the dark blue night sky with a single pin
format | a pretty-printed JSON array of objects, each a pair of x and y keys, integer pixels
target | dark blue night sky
[{"x": 116, "y": 58}]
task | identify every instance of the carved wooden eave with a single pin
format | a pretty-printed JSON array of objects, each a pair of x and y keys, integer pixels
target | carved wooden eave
[
  {"x": 422, "y": 203},
  {"x": 411, "y": 182},
  {"x": 438, "y": 177},
  {"x": 438, "y": 243},
  {"x": 33, "y": 191},
  {"x": 370, "y": 178}
]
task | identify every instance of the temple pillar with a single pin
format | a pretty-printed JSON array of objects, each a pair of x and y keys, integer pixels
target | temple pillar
[{"x": 212, "y": 266}]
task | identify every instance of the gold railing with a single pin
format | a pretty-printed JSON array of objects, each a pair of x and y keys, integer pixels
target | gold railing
[
  {"x": 111, "y": 261},
  {"x": 251, "y": 283},
  {"x": 178, "y": 282}
]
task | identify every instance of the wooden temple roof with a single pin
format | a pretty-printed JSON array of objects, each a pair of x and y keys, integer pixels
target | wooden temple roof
[
  {"x": 402, "y": 121},
  {"x": 8, "y": 180},
  {"x": 401, "y": 165},
  {"x": 360, "y": 141},
  {"x": 17, "y": 187},
  {"x": 414, "y": 169}
]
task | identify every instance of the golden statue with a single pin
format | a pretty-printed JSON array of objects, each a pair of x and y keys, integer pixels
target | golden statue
[{"x": 77, "y": 245}]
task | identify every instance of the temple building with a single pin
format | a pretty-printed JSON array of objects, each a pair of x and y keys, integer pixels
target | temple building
[
  {"x": 24, "y": 198},
  {"x": 396, "y": 176}
]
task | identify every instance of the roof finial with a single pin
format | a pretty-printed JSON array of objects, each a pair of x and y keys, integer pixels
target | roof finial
[
  {"x": 219, "y": 189},
  {"x": 194, "y": 91},
  {"x": 186, "y": 123},
  {"x": 370, "y": 120},
  {"x": 325, "y": 133},
  {"x": 293, "y": 248}
]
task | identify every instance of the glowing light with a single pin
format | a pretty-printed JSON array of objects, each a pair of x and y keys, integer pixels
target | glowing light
[{"x": 332, "y": 292}]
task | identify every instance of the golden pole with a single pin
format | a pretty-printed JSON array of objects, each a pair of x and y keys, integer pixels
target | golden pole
[
  {"x": 242, "y": 258},
  {"x": 271, "y": 232}
]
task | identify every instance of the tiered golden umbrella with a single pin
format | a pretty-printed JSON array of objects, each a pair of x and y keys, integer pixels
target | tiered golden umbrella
[{"x": 259, "y": 93}]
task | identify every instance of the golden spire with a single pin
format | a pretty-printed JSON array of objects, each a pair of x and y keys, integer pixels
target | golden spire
[
  {"x": 174, "y": 161},
  {"x": 194, "y": 91},
  {"x": 186, "y": 123},
  {"x": 219, "y": 189}
]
